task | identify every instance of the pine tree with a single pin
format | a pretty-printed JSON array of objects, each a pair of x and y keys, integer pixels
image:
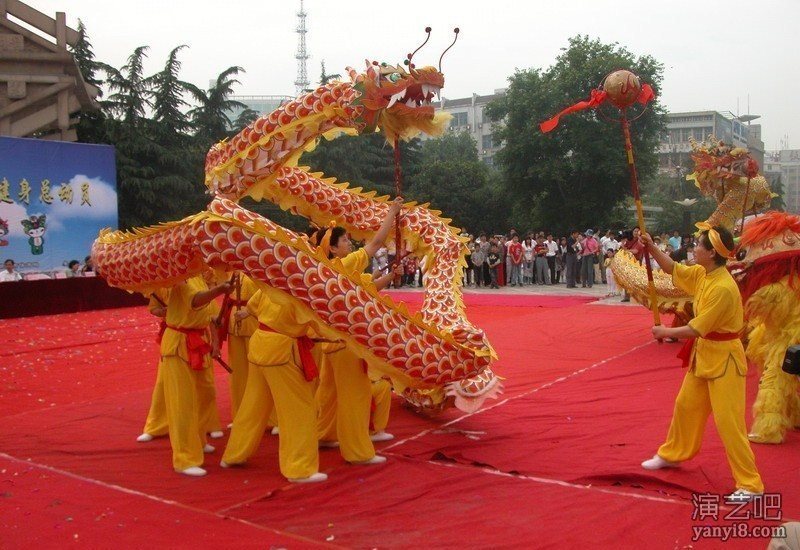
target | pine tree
[
  {"x": 91, "y": 124},
  {"x": 210, "y": 117}
]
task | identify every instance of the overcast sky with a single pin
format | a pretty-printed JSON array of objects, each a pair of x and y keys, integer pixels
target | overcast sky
[{"x": 714, "y": 53}]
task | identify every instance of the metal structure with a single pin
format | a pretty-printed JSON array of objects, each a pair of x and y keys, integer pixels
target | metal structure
[{"x": 301, "y": 83}]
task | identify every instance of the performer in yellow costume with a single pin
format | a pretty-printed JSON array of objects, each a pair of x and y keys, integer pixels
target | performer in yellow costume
[
  {"x": 715, "y": 382},
  {"x": 381, "y": 405},
  {"x": 345, "y": 390},
  {"x": 281, "y": 374},
  {"x": 185, "y": 369},
  {"x": 156, "y": 424},
  {"x": 239, "y": 333}
]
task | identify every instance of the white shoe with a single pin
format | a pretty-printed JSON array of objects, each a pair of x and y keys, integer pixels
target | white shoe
[
  {"x": 223, "y": 464},
  {"x": 313, "y": 478},
  {"x": 194, "y": 471},
  {"x": 741, "y": 495},
  {"x": 377, "y": 459},
  {"x": 657, "y": 463},
  {"x": 381, "y": 436},
  {"x": 329, "y": 444},
  {"x": 275, "y": 430},
  {"x": 144, "y": 438},
  {"x": 208, "y": 448},
  {"x": 230, "y": 425},
  {"x": 216, "y": 435}
]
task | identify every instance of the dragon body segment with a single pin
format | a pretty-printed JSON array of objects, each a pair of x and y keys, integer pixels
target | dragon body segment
[{"x": 432, "y": 355}]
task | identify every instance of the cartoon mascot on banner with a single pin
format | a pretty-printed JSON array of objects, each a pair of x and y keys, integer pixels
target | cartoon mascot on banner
[
  {"x": 435, "y": 358},
  {"x": 766, "y": 269}
]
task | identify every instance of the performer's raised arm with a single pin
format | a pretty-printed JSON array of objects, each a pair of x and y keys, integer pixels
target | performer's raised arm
[{"x": 377, "y": 241}]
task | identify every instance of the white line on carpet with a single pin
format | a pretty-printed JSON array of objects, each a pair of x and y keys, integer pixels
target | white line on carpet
[
  {"x": 547, "y": 481},
  {"x": 518, "y": 396},
  {"x": 159, "y": 499}
]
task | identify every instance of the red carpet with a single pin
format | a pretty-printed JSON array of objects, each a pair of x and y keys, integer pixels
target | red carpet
[{"x": 553, "y": 463}]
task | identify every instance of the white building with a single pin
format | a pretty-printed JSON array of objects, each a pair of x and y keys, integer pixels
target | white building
[
  {"x": 469, "y": 116},
  {"x": 675, "y": 146},
  {"x": 787, "y": 163}
]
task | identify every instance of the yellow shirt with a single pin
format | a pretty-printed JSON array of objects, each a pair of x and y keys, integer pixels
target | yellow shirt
[
  {"x": 249, "y": 325},
  {"x": 181, "y": 314},
  {"x": 335, "y": 352},
  {"x": 718, "y": 308},
  {"x": 273, "y": 349},
  {"x": 356, "y": 261},
  {"x": 158, "y": 299}
]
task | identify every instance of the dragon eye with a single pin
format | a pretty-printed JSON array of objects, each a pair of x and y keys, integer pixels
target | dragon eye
[
  {"x": 394, "y": 77},
  {"x": 741, "y": 254}
]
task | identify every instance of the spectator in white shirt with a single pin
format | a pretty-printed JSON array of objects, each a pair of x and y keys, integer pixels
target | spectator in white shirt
[
  {"x": 9, "y": 275},
  {"x": 552, "y": 250},
  {"x": 527, "y": 259}
]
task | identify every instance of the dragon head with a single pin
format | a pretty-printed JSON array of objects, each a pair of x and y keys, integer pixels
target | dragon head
[
  {"x": 768, "y": 250},
  {"x": 398, "y": 98},
  {"x": 730, "y": 176}
]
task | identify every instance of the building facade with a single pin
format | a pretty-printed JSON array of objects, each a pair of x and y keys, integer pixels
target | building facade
[
  {"x": 262, "y": 104},
  {"x": 786, "y": 163},
  {"x": 41, "y": 86},
  {"x": 469, "y": 116},
  {"x": 675, "y": 146}
]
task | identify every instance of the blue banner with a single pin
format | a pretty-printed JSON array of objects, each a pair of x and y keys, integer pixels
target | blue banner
[{"x": 54, "y": 199}]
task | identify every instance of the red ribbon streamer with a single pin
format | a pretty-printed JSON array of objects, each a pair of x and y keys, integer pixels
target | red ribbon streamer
[{"x": 597, "y": 97}]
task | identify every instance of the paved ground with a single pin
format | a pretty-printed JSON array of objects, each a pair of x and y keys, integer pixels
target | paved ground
[{"x": 598, "y": 290}]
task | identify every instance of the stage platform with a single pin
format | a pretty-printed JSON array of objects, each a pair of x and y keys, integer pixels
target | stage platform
[{"x": 554, "y": 463}]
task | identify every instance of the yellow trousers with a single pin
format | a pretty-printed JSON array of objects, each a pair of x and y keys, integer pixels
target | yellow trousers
[
  {"x": 157, "y": 424},
  {"x": 725, "y": 398},
  {"x": 185, "y": 395},
  {"x": 382, "y": 400},
  {"x": 237, "y": 361},
  {"x": 286, "y": 389},
  {"x": 344, "y": 396}
]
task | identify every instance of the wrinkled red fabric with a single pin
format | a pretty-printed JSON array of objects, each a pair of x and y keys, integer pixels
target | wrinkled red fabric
[
  {"x": 196, "y": 345},
  {"x": 685, "y": 353},
  {"x": 304, "y": 345}
]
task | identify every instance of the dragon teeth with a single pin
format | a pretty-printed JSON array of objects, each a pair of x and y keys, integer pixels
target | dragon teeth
[{"x": 395, "y": 98}]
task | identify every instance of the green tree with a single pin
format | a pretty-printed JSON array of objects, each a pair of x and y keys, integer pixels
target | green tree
[
  {"x": 91, "y": 124},
  {"x": 324, "y": 77},
  {"x": 210, "y": 117},
  {"x": 776, "y": 185},
  {"x": 454, "y": 180},
  {"x": 131, "y": 89},
  {"x": 366, "y": 161},
  {"x": 245, "y": 118},
  {"x": 179, "y": 156},
  {"x": 167, "y": 91},
  {"x": 575, "y": 175}
]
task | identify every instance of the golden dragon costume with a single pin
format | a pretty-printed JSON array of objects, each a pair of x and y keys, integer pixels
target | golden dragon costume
[
  {"x": 730, "y": 176},
  {"x": 766, "y": 268},
  {"x": 435, "y": 357}
]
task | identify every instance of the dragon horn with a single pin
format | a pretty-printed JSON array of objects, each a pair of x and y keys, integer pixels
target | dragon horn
[
  {"x": 411, "y": 55},
  {"x": 456, "y": 30}
]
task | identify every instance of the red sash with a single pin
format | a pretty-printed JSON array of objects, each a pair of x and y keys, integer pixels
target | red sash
[
  {"x": 304, "y": 345},
  {"x": 162, "y": 326},
  {"x": 196, "y": 345},
  {"x": 685, "y": 354}
]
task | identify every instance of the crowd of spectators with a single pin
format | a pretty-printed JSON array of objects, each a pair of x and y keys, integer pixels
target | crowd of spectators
[
  {"x": 580, "y": 258},
  {"x": 74, "y": 268}
]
